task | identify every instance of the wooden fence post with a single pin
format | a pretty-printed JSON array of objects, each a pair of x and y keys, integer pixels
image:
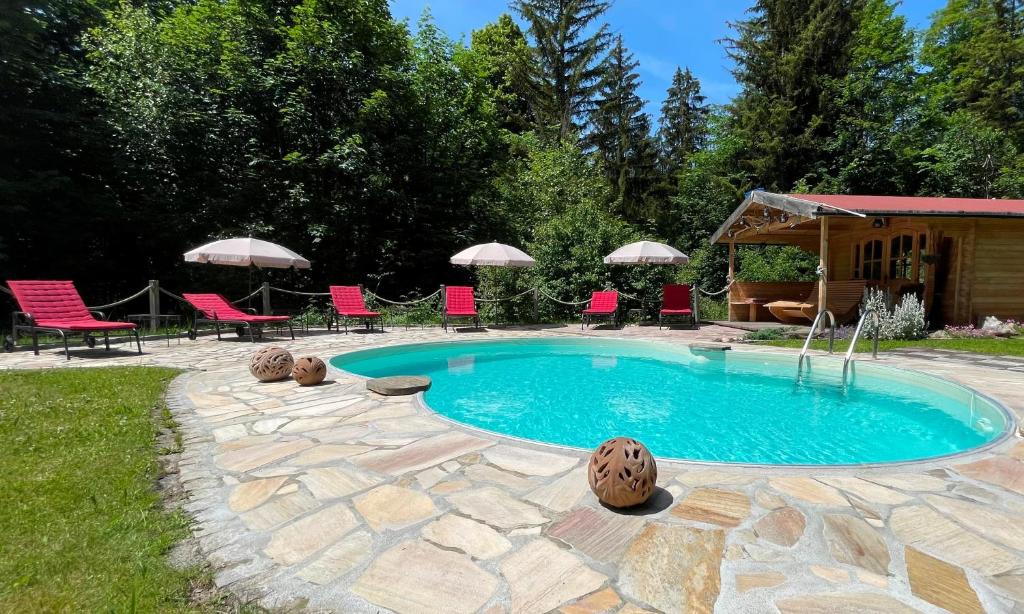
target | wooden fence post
[
  {"x": 266, "y": 298},
  {"x": 154, "y": 304}
]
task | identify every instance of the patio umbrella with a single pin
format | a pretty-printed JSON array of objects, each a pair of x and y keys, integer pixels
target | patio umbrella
[
  {"x": 646, "y": 252},
  {"x": 493, "y": 254},
  {"x": 245, "y": 252}
]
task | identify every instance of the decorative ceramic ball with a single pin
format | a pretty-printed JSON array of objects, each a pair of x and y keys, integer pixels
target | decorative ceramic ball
[
  {"x": 271, "y": 364},
  {"x": 309, "y": 371},
  {"x": 622, "y": 472}
]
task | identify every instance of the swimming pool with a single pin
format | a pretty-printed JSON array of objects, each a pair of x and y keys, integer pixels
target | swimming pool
[{"x": 733, "y": 407}]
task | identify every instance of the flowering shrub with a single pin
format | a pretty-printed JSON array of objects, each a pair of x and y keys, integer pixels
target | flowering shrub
[
  {"x": 968, "y": 332},
  {"x": 906, "y": 320}
]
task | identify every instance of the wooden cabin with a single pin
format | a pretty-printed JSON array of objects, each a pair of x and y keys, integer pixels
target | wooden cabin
[{"x": 963, "y": 256}]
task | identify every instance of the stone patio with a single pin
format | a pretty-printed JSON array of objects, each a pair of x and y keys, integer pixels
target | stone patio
[{"x": 342, "y": 500}]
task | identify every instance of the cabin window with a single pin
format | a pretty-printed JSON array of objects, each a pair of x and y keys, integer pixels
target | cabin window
[
  {"x": 901, "y": 257},
  {"x": 867, "y": 260}
]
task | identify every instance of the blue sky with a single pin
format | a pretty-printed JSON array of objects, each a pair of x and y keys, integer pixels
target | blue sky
[{"x": 662, "y": 34}]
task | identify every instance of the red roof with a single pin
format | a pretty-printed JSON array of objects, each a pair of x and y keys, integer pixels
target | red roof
[{"x": 917, "y": 205}]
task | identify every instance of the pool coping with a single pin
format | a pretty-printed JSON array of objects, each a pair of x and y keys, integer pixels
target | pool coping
[{"x": 1008, "y": 434}]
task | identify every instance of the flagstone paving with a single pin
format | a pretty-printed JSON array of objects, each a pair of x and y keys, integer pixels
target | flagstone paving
[{"x": 343, "y": 500}]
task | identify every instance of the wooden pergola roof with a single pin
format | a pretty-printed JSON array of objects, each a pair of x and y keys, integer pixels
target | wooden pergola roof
[{"x": 765, "y": 217}]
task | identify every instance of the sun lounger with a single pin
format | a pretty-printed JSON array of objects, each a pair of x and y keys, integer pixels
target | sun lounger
[{"x": 217, "y": 310}]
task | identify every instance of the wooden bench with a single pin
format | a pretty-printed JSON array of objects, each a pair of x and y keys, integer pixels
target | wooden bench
[
  {"x": 842, "y": 299},
  {"x": 747, "y": 299}
]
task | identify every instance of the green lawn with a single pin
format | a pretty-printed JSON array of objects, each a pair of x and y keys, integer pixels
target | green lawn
[
  {"x": 81, "y": 524},
  {"x": 997, "y": 346}
]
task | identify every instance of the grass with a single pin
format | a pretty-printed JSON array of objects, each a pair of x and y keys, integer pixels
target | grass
[
  {"x": 997, "y": 346},
  {"x": 82, "y": 526}
]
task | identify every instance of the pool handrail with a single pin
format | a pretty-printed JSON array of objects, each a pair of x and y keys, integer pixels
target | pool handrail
[
  {"x": 856, "y": 336},
  {"x": 810, "y": 335}
]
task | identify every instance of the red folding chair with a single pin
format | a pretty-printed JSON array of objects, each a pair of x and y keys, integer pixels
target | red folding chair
[
  {"x": 56, "y": 307},
  {"x": 215, "y": 309},
  {"x": 459, "y": 303},
  {"x": 604, "y": 305},
  {"x": 349, "y": 305},
  {"x": 678, "y": 301}
]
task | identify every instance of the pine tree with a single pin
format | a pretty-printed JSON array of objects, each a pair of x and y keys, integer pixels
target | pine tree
[
  {"x": 683, "y": 122},
  {"x": 567, "y": 60},
  {"x": 620, "y": 130},
  {"x": 506, "y": 55},
  {"x": 786, "y": 53}
]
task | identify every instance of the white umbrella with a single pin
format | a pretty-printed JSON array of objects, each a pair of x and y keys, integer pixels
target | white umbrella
[
  {"x": 245, "y": 252},
  {"x": 646, "y": 252},
  {"x": 493, "y": 254}
]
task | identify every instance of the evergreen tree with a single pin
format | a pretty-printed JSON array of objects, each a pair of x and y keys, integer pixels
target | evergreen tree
[
  {"x": 619, "y": 128},
  {"x": 506, "y": 55},
  {"x": 786, "y": 54},
  {"x": 566, "y": 71},
  {"x": 975, "y": 49},
  {"x": 683, "y": 122}
]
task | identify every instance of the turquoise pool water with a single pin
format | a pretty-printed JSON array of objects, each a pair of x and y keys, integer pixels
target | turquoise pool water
[{"x": 737, "y": 407}]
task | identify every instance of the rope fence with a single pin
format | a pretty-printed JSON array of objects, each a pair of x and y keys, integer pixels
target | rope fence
[
  {"x": 122, "y": 301},
  {"x": 507, "y": 298},
  {"x": 295, "y": 292},
  {"x": 559, "y": 301},
  {"x": 415, "y": 302}
]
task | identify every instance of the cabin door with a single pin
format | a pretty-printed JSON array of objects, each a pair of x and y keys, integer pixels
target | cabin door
[{"x": 944, "y": 302}]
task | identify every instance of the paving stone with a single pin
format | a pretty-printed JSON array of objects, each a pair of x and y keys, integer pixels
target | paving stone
[
  {"x": 563, "y": 493},
  {"x": 421, "y": 454},
  {"x": 600, "y": 534},
  {"x": 843, "y": 603},
  {"x": 382, "y": 413},
  {"x": 872, "y": 493},
  {"x": 541, "y": 576},
  {"x": 279, "y": 510},
  {"x": 334, "y": 482},
  {"x": 268, "y": 425},
  {"x": 910, "y": 481},
  {"x": 410, "y": 424},
  {"x": 809, "y": 490},
  {"x": 1002, "y": 471},
  {"x": 496, "y": 508},
  {"x": 751, "y": 581},
  {"x": 527, "y": 461},
  {"x": 252, "y": 494},
  {"x": 714, "y": 506},
  {"x": 493, "y": 475},
  {"x": 835, "y": 575},
  {"x": 302, "y": 425},
  {"x": 674, "y": 568},
  {"x": 430, "y": 477},
  {"x": 631, "y": 608},
  {"x": 768, "y": 500},
  {"x": 339, "y": 559},
  {"x": 417, "y": 577},
  {"x": 851, "y": 540},
  {"x": 446, "y": 488},
  {"x": 990, "y": 523},
  {"x": 328, "y": 453},
  {"x": 252, "y": 457},
  {"x": 940, "y": 583},
  {"x": 227, "y": 433},
  {"x": 1010, "y": 585},
  {"x": 390, "y": 507},
  {"x": 926, "y": 529},
  {"x": 707, "y": 477},
  {"x": 784, "y": 526},
  {"x": 474, "y": 538},
  {"x": 302, "y": 538},
  {"x": 597, "y": 603}
]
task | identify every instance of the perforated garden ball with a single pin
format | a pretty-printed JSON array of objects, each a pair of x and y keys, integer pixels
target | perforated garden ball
[
  {"x": 271, "y": 364},
  {"x": 622, "y": 472},
  {"x": 309, "y": 371}
]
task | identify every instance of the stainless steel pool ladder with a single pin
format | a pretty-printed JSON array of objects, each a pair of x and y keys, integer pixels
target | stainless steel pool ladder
[
  {"x": 810, "y": 335},
  {"x": 856, "y": 336}
]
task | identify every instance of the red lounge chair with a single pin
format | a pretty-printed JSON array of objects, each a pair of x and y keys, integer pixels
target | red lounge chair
[
  {"x": 603, "y": 305},
  {"x": 459, "y": 303},
  {"x": 678, "y": 301},
  {"x": 349, "y": 304},
  {"x": 56, "y": 307},
  {"x": 215, "y": 309}
]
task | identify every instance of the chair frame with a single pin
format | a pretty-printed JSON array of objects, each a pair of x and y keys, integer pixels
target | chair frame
[
  {"x": 23, "y": 322},
  {"x": 693, "y": 317},
  {"x": 334, "y": 316}
]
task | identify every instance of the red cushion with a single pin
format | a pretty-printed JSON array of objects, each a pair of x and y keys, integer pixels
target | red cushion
[
  {"x": 603, "y": 302},
  {"x": 216, "y": 307},
  {"x": 676, "y": 312},
  {"x": 348, "y": 301},
  {"x": 359, "y": 314},
  {"x": 675, "y": 296},
  {"x": 459, "y": 301},
  {"x": 84, "y": 325},
  {"x": 57, "y": 304}
]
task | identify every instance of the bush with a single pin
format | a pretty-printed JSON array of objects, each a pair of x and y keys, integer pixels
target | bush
[
  {"x": 769, "y": 334},
  {"x": 906, "y": 320}
]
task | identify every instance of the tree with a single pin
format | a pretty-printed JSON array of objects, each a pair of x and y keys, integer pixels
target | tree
[
  {"x": 975, "y": 49},
  {"x": 566, "y": 70},
  {"x": 786, "y": 54},
  {"x": 683, "y": 122},
  {"x": 506, "y": 57},
  {"x": 619, "y": 132},
  {"x": 972, "y": 160}
]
